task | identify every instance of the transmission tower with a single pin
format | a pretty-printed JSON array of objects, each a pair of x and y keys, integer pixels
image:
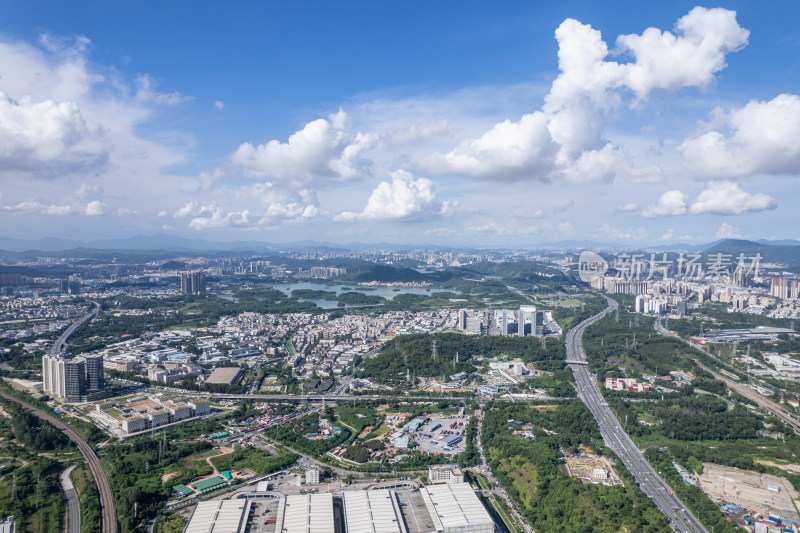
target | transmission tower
[
  {"x": 455, "y": 360},
  {"x": 634, "y": 340},
  {"x": 617, "y": 315},
  {"x": 433, "y": 350},
  {"x": 14, "y": 495},
  {"x": 39, "y": 490}
]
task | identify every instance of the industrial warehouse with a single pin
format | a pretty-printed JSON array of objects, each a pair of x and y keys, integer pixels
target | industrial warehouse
[{"x": 446, "y": 508}]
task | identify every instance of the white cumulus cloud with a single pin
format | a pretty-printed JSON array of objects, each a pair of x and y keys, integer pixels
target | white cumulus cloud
[
  {"x": 34, "y": 207},
  {"x": 671, "y": 203},
  {"x": 565, "y": 139},
  {"x": 96, "y": 208},
  {"x": 403, "y": 198},
  {"x": 759, "y": 138},
  {"x": 727, "y": 198},
  {"x": 322, "y": 149},
  {"x": 47, "y": 138},
  {"x": 727, "y": 231}
]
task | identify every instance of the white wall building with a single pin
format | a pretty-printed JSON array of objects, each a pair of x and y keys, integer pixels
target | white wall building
[{"x": 445, "y": 474}]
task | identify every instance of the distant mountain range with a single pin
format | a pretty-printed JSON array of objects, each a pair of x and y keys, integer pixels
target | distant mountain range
[{"x": 788, "y": 248}]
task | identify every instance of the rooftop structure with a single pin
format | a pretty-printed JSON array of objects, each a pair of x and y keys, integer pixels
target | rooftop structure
[
  {"x": 308, "y": 513},
  {"x": 374, "y": 511},
  {"x": 228, "y": 516},
  {"x": 225, "y": 376},
  {"x": 456, "y": 509}
]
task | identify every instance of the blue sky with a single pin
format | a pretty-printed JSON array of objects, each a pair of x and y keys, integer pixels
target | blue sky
[{"x": 416, "y": 122}]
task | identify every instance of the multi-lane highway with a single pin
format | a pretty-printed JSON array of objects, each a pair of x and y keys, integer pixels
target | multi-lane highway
[
  {"x": 61, "y": 341},
  {"x": 768, "y": 405},
  {"x": 103, "y": 486},
  {"x": 680, "y": 519}
]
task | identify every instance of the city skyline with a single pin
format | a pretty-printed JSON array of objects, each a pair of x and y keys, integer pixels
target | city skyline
[{"x": 364, "y": 123}]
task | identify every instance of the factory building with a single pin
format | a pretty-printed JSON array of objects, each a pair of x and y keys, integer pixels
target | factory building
[
  {"x": 440, "y": 509},
  {"x": 227, "y": 516},
  {"x": 456, "y": 509},
  {"x": 374, "y": 511},
  {"x": 306, "y": 513}
]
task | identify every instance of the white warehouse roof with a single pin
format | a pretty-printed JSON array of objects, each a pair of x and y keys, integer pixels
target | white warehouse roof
[
  {"x": 226, "y": 516},
  {"x": 374, "y": 511},
  {"x": 309, "y": 513},
  {"x": 456, "y": 508}
]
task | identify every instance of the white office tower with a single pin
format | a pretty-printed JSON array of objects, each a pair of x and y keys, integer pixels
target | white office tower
[
  {"x": 526, "y": 311},
  {"x": 312, "y": 476}
]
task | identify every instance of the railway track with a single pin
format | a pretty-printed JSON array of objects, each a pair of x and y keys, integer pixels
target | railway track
[
  {"x": 768, "y": 405},
  {"x": 107, "y": 507}
]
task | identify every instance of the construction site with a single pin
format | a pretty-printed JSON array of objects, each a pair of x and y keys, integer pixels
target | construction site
[
  {"x": 591, "y": 468},
  {"x": 759, "y": 494}
]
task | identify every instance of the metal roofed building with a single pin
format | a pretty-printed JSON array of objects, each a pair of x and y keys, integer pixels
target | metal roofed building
[
  {"x": 227, "y": 516},
  {"x": 374, "y": 511},
  {"x": 210, "y": 484},
  {"x": 226, "y": 375},
  {"x": 456, "y": 509},
  {"x": 307, "y": 513}
]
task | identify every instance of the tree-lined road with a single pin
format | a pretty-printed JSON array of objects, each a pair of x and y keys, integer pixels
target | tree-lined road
[
  {"x": 679, "y": 518},
  {"x": 73, "y": 509}
]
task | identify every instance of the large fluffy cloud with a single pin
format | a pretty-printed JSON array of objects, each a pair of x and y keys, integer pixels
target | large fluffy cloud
[
  {"x": 404, "y": 198},
  {"x": 718, "y": 198},
  {"x": 727, "y": 198},
  {"x": 759, "y": 138},
  {"x": 76, "y": 122},
  {"x": 323, "y": 148},
  {"x": 565, "y": 139},
  {"x": 46, "y": 138}
]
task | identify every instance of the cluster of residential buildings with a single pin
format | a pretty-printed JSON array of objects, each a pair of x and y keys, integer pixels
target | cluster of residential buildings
[
  {"x": 74, "y": 379},
  {"x": 35, "y": 314},
  {"x": 193, "y": 282},
  {"x": 326, "y": 346}
]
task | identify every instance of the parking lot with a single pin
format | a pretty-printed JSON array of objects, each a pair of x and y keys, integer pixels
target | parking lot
[
  {"x": 262, "y": 511},
  {"x": 433, "y": 435}
]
